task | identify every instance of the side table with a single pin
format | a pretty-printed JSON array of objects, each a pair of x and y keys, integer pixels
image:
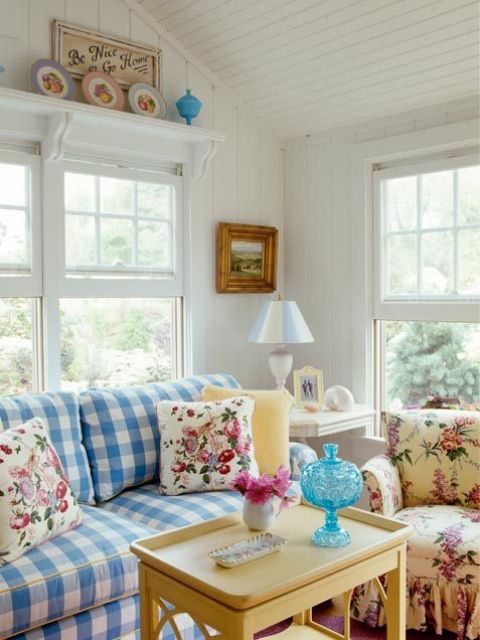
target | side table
[
  {"x": 323, "y": 423},
  {"x": 177, "y": 576}
]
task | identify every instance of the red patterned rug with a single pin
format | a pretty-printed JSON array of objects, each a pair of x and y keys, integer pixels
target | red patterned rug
[{"x": 359, "y": 631}]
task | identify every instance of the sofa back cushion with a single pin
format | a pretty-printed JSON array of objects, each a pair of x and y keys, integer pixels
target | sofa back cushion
[
  {"x": 60, "y": 413},
  {"x": 437, "y": 453},
  {"x": 121, "y": 434},
  {"x": 270, "y": 424}
]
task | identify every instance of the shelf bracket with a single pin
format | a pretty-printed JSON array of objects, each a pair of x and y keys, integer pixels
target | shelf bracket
[
  {"x": 58, "y": 128},
  {"x": 202, "y": 154}
]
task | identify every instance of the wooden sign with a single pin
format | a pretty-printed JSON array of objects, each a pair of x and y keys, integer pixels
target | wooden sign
[{"x": 81, "y": 50}]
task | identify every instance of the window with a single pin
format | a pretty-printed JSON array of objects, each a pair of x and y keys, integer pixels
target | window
[
  {"x": 431, "y": 234},
  {"x": 118, "y": 225},
  {"x": 426, "y": 271},
  {"x": 94, "y": 295},
  {"x": 116, "y": 342},
  {"x": 14, "y": 218},
  {"x": 16, "y": 345},
  {"x": 427, "y": 359}
]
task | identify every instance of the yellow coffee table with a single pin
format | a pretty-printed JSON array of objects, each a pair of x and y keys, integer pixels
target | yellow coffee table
[{"x": 175, "y": 569}]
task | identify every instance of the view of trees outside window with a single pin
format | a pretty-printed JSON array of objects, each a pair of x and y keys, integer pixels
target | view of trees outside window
[
  {"x": 431, "y": 234},
  {"x": 115, "y": 342},
  {"x": 117, "y": 223},
  {"x": 424, "y": 359},
  {"x": 16, "y": 345}
]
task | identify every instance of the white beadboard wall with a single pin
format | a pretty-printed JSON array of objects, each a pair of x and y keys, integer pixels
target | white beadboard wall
[
  {"x": 324, "y": 258},
  {"x": 244, "y": 183}
]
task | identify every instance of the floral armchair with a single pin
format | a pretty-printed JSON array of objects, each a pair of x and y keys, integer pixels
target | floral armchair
[{"x": 430, "y": 478}]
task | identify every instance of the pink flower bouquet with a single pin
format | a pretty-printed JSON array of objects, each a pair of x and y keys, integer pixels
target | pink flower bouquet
[{"x": 261, "y": 489}]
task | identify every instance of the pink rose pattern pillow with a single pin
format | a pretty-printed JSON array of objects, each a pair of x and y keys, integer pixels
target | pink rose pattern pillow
[
  {"x": 203, "y": 445},
  {"x": 36, "y": 502}
]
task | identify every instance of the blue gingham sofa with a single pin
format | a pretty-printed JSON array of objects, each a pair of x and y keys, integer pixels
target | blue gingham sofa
[{"x": 83, "y": 585}]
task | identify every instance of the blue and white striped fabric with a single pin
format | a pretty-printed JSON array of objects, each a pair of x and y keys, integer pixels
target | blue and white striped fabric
[
  {"x": 144, "y": 505},
  {"x": 82, "y": 568},
  {"x": 60, "y": 413},
  {"x": 120, "y": 429},
  {"x": 300, "y": 455}
]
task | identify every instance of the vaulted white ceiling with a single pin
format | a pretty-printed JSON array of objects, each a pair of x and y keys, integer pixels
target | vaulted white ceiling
[{"x": 306, "y": 66}]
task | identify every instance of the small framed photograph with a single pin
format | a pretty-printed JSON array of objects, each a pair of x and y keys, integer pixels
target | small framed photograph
[{"x": 308, "y": 384}]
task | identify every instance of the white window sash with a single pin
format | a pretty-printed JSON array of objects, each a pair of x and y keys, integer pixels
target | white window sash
[
  {"x": 27, "y": 281},
  {"x": 461, "y": 308},
  {"x": 104, "y": 281}
]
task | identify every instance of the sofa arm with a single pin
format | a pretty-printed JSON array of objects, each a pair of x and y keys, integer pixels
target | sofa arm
[
  {"x": 382, "y": 481},
  {"x": 300, "y": 455}
]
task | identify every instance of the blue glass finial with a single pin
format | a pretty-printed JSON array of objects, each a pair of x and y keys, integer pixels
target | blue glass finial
[{"x": 330, "y": 450}]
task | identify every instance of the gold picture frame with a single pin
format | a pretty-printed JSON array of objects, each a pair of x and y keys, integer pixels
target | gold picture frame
[
  {"x": 308, "y": 385},
  {"x": 81, "y": 50},
  {"x": 246, "y": 258}
]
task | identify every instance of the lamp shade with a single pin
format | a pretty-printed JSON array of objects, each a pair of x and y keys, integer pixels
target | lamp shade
[{"x": 280, "y": 322}]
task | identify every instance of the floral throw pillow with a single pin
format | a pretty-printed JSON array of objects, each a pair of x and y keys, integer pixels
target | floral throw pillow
[
  {"x": 36, "y": 502},
  {"x": 203, "y": 445}
]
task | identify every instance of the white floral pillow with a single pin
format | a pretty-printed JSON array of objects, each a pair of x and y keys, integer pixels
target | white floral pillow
[
  {"x": 203, "y": 445},
  {"x": 36, "y": 502}
]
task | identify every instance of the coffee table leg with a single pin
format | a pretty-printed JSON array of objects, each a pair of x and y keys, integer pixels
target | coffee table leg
[
  {"x": 240, "y": 629},
  {"x": 149, "y": 615},
  {"x": 396, "y": 606}
]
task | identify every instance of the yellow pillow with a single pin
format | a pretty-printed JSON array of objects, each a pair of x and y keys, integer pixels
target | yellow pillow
[{"x": 270, "y": 423}]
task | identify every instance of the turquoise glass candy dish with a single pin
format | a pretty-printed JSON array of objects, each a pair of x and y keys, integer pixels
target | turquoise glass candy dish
[
  {"x": 332, "y": 484},
  {"x": 188, "y": 106}
]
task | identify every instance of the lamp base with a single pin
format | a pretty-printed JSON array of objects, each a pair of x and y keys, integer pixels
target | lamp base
[{"x": 280, "y": 362}]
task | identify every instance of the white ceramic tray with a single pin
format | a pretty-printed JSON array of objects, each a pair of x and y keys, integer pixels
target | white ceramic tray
[{"x": 247, "y": 550}]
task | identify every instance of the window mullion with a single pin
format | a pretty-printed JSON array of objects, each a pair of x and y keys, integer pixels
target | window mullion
[
  {"x": 97, "y": 221},
  {"x": 38, "y": 346},
  {"x": 135, "y": 223},
  {"x": 455, "y": 232},
  {"x": 419, "y": 236}
]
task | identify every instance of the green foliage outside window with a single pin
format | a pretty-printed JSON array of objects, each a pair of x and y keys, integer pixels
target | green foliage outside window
[{"x": 432, "y": 358}]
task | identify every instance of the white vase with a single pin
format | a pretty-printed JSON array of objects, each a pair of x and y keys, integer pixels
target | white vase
[{"x": 259, "y": 517}]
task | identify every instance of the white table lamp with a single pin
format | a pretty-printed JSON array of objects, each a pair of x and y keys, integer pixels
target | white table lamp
[{"x": 280, "y": 322}]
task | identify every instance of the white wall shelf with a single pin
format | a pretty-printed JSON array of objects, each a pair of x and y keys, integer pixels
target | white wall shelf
[{"x": 64, "y": 126}]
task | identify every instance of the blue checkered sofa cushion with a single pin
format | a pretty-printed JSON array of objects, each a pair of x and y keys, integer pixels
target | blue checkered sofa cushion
[
  {"x": 60, "y": 412},
  {"x": 111, "y": 621},
  {"x": 80, "y": 569},
  {"x": 144, "y": 505},
  {"x": 120, "y": 429},
  {"x": 119, "y": 620},
  {"x": 300, "y": 455}
]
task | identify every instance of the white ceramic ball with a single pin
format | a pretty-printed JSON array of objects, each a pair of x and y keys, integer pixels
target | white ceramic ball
[{"x": 338, "y": 398}]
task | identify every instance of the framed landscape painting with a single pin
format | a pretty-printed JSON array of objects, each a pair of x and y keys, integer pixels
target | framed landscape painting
[{"x": 246, "y": 258}]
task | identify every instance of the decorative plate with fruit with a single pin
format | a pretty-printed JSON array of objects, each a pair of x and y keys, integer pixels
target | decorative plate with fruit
[
  {"x": 51, "y": 79},
  {"x": 147, "y": 101},
  {"x": 102, "y": 90}
]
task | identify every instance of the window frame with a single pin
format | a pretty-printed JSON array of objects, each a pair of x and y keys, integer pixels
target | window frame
[
  {"x": 59, "y": 283},
  {"x": 456, "y": 308},
  {"x": 48, "y": 281},
  {"x": 29, "y": 285},
  {"x": 135, "y": 176}
]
